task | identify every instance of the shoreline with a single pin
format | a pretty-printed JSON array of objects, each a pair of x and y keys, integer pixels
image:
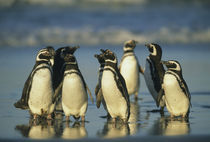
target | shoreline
[{"x": 180, "y": 138}]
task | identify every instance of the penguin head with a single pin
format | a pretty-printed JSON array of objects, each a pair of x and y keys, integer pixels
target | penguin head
[
  {"x": 68, "y": 50},
  {"x": 46, "y": 54},
  {"x": 129, "y": 45},
  {"x": 155, "y": 50},
  {"x": 70, "y": 59},
  {"x": 100, "y": 58},
  {"x": 109, "y": 56},
  {"x": 172, "y": 65}
]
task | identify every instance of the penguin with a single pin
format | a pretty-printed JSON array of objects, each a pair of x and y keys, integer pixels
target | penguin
[
  {"x": 38, "y": 90},
  {"x": 130, "y": 68},
  {"x": 98, "y": 91},
  {"x": 177, "y": 95},
  {"x": 74, "y": 89},
  {"x": 22, "y": 103},
  {"x": 114, "y": 89},
  {"x": 154, "y": 72},
  {"x": 58, "y": 73},
  {"x": 59, "y": 62}
]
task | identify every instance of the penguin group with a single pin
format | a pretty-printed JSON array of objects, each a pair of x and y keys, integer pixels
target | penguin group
[{"x": 56, "y": 79}]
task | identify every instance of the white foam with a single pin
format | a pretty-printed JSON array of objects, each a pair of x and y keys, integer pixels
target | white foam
[{"x": 112, "y": 36}]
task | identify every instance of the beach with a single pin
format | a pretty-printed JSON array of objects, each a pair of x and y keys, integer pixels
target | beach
[{"x": 28, "y": 27}]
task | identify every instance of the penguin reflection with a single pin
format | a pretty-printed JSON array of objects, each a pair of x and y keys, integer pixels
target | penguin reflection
[
  {"x": 114, "y": 130},
  {"x": 177, "y": 127},
  {"x": 134, "y": 117},
  {"x": 171, "y": 127},
  {"x": 76, "y": 131},
  {"x": 37, "y": 130}
]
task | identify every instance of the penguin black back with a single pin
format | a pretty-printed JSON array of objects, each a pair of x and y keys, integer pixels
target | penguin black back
[{"x": 59, "y": 62}]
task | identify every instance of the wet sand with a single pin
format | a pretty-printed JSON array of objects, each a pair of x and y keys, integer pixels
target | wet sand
[{"x": 146, "y": 123}]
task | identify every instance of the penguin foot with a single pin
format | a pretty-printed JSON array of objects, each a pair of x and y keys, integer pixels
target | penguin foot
[
  {"x": 83, "y": 118},
  {"x": 125, "y": 121},
  {"x": 35, "y": 116},
  {"x": 67, "y": 118},
  {"x": 172, "y": 117},
  {"x": 114, "y": 120},
  {"x": 136, "y": 96},
  {"x": 49, "y": 117}
]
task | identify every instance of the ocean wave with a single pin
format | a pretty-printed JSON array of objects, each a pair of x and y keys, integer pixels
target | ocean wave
[
  {"x": 109, "y": 36},
  {"x": 9, "y": 3}
]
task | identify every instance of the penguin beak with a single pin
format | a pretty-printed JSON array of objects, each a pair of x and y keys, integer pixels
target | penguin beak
[
  {"x": 164, "y": 62},
  {"x": 96, "y": 56},
  {"x": 103, "y": 51},
  {"x": 136, "y": 42},
  {"x": 147, "y": 45}
]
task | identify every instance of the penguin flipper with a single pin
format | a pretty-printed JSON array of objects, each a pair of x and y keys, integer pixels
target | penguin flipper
[
  {"x": 97, "y": 89},
  {"x": 99, "y": 98},
  {"x": 159, "y": 97},
  {"x": 91, "y": 97},
  {"x": 187, "y": 92},
  {"x": 123, "y": 89},
  {"x": 141, "y": 70},
  {"x": 23, "y": 102}
]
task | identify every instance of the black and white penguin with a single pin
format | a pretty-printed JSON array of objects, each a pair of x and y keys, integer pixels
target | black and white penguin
[
  {"x": 114, "y": 88},
  {"x": 130, "y": 68},
  {"x": 58, "y": 72},
  {"x": 154, "y": 72},
  {"x": 177, "y": 95},
  {"x": 74, "y": 89},
  {"x": 38, "y": 90}
]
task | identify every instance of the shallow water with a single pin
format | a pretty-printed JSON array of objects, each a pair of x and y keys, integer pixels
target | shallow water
[
  {"x": 181, "y": 27},
  {"x": 145, "y": 121}
]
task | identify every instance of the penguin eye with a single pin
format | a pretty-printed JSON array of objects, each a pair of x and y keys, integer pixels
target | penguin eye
[
  {"x": 151, "y": 49},
  {"x": 44, "y": 55},
  {"x": 173, "y": 65}
]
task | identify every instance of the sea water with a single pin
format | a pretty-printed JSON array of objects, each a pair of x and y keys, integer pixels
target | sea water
[{"x": 180, "y": 27}]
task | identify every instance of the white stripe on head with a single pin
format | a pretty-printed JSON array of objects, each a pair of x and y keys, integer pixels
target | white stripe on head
[
  {"x": 112, "y": 61},
  {"x": 42, "y": 51},
  {"x": 154, "y": 53},
  {"x": 177, "y": 66},
  {"x": 127, "y": 48}
]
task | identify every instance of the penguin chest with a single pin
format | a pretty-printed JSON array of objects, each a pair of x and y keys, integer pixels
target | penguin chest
[
  {"x": 112, "y": 95},
  {"x": 74, "y": 95},
  {"x": 130, "y": 71},
  {"x": 176, "y": 101},
  {"x": 40, "y": 99},
  {"x": 148, "y": 73}
]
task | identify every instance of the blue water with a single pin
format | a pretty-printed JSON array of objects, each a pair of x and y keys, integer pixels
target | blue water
[
  {"x": 182, "y": 28},
  {"x": 92, "y": 22}
]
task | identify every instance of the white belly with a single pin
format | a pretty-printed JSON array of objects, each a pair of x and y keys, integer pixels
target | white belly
[
  {"x": 40, "y": 98},
  {"x": 149, "y": 81},
  {"x": 130, "y": 71},
  {"x": 74, "y": 96},
  {"x": 113, "y": 96},
  {"x": 177, "y": 102}
]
